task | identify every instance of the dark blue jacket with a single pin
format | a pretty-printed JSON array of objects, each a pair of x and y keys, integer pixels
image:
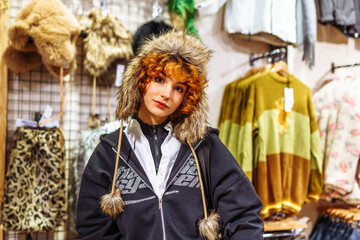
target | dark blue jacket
[{"x": 176, "y": 215}]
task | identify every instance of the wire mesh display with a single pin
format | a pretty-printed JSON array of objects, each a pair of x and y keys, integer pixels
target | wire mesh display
[{"x": 30, "y": 92}]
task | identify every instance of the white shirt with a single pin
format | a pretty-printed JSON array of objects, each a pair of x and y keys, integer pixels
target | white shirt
[{"x": 141, "y": 147}]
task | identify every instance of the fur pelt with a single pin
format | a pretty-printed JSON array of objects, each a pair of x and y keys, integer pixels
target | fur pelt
[
  {"x": 192, "y": 127},
  {"x": 106, "y": 41},
  {"x": 48, "y": 28}
]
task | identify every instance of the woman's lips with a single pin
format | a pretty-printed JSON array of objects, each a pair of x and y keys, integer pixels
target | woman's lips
[{"x": 161, "y": 105}]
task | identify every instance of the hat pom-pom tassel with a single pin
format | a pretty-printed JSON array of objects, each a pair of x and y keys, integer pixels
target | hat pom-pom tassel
[
  {"x": 112, "y": 204},
  {"x": 209, "y": 227}
]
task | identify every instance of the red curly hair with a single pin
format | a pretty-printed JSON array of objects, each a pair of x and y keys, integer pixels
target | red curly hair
[{"x": 154, "y": 64}]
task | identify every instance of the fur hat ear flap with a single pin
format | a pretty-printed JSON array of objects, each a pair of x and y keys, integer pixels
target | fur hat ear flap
[
  {"x": 55, "y": 70},
  {"x": 20, "y": 38},
  {"x": 112, "y": 204},
  {"x": 18, "y": 61}
]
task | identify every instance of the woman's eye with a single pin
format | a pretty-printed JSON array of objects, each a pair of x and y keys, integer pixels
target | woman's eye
[
  {"x": 179, "y": 89},
  {"x": 159, "y": 79}
]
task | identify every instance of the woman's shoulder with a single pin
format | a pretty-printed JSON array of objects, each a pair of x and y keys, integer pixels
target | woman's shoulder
[{"x": 212, "y": 134}]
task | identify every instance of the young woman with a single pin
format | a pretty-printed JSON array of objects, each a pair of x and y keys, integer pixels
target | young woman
[{"x": 142, "y": 182}]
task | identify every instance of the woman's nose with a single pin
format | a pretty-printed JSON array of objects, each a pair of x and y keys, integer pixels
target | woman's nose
[{"x": 166, "y": 91}]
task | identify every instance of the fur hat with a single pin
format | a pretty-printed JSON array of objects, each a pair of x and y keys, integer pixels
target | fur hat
[
  {"x": 44, "y": 28},
  {"x": 190, "y": 49},
  {"x": 106, "y": 41}
]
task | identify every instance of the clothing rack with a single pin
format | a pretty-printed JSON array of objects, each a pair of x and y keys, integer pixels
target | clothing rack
[
  {"x": 290, "y": 233},
  {"x": 337, "y": 223},
  {"x": 287, "y": 227},
  {"x": 273, "y": 56},
  {"x": 350, "y": 215},
  {"x": 333, "y": 67},
  {"x": 284, "y": 225}
]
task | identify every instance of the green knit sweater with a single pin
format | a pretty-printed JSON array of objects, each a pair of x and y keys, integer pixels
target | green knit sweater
[{"x": 279, "y": 151}]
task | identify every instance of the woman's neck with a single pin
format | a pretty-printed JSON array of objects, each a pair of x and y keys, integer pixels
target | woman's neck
[{"x": 151, "y": 123}]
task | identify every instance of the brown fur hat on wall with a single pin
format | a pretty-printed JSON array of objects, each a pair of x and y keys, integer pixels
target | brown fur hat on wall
[
  {"x": 48, "y": 28},
  {"x": 107, "y": 41},
  {"x": 19, "y": 61},
  {"x": 191, "y": 127}
]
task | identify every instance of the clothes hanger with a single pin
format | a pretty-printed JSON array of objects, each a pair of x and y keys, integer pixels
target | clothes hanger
[
  {"x": 255, "y": 70},
  {"x": 280, "y": 68}
]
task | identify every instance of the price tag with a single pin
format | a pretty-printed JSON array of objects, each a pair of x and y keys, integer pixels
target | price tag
[
  {"x": 288, "y": 99},
  {"x": 119, "y": 74},
  {"x": 45, "y": 116},
  {"x": 47, "y": 113},
  {"x": 22, "y": 122}
]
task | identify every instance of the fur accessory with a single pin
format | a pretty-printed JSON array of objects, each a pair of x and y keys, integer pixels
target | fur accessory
[
  {"x": 94, "y": 122},
  {"x": 46, "y": 28},
  {"x": 190, "y": 49},
  {"x": 106, "y": 42},
  {"x": 209, "y": 227},
  {"x": 112, "y": 204}
]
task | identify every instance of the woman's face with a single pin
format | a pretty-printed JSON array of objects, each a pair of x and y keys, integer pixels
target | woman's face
[{"x": 162, "y": 97}]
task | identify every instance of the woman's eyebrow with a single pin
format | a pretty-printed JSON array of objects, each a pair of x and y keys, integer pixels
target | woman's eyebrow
[{"x": 182, "y": 83}]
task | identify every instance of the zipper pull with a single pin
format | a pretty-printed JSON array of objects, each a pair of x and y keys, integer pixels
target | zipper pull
[{"x": 160, "y": 203}]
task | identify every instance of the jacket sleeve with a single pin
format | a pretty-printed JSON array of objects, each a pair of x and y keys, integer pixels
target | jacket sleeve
[
  {"x": 96, "y": 181},
  {"x": 235, "y": 198}
]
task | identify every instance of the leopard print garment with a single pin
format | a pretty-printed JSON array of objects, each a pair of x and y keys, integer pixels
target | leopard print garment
[{"x": 34, "y": 194}]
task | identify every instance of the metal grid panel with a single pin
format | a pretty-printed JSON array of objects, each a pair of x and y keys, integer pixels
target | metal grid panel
[{"x": 31, "y": 91}]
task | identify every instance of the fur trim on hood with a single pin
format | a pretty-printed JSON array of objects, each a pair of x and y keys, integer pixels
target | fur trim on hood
[{"x": 192, "y": 127}]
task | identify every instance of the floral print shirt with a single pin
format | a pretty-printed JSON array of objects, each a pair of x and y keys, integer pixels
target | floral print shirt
[{"x": 337, "y": 107}]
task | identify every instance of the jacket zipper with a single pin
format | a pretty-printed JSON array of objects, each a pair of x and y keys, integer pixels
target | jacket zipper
[
  {"x": 160, "y": 200},
  {"x": 156, "y": 150},
  {"x": 162, "y": 218}
]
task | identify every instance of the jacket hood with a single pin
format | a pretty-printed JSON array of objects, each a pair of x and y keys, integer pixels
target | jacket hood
[{"x": 191, "y": 127}]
